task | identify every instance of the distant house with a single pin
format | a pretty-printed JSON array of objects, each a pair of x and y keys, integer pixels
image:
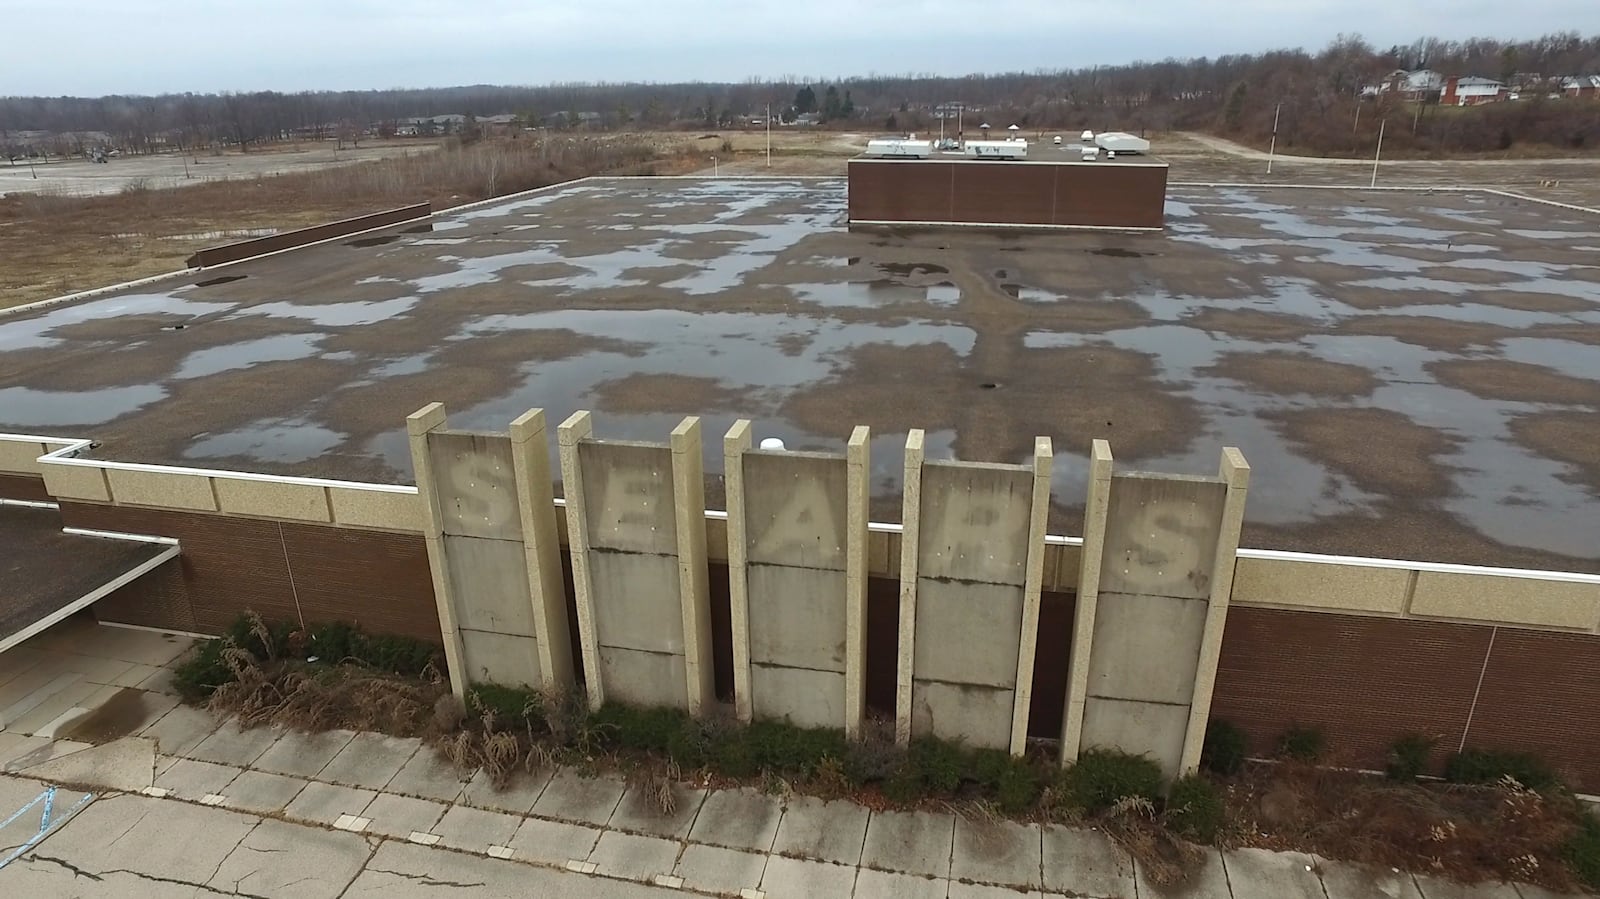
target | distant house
[
  {"x": 1470, "y": 90},
  {"x": 1581, "y": 86},
  {"x": 571, "y": 119},
  {"x": 1415, "y": 84}
]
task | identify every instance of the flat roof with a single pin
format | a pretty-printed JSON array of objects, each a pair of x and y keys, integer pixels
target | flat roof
[
  {"x": 1410, "y": 375},
  {"x": 1038, "y": 154},
  {"x": 46, "y": 574}
]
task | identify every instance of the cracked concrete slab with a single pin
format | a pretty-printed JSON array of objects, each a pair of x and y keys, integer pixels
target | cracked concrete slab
[
  {"x": 125, "y": 764},
  {"x": 996, "y": 852},
  {"x": 231, "y": 745},
  {"x": 430, "y": 776},
  {"x": 37, "y": 751},
  {"x": 641, "y": 812},
  {"x": 914, "y": 842},
  {"x": 740, "y": 819},
  {"x": 398, "y": 816},
  {"x": 633, "y": 857},
  {"x": 830, "y": 830},
  {"x": 154, "y": 840},
  {"x": 872, "y": 884},
  {"x": 1347, "y": 880},
  {"x": 582, "y": 800},
  {"x": 713, "y": 869},
  {"x": 553, "y": 842},
  {"x": 369, "y": 761},
  {"x": 474, "y": 829},
  {"x": 799, "y": 878},
  {"x": 324, "y": 803},
  {"x": 181, "y": 730},
  {"x": 516, "y": 797},
  {"x": 406, "y": 871},
  {"x": 1088, "y": 862},
  {"x": 1264, "y": 874},
  {"x": 303, "y": 755},
  {"x": 263, "y": 793},
  {"x": 280, "y": 859},
  {"x": 189, "y": 779},
  {"x": 959, "y": 890}
]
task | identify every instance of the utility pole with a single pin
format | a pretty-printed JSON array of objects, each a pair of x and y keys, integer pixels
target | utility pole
[
  {"x": 769, "y": 135},
  {"x": 1357, "y": 128},
  {"x": 1416, "y": 118},
  {"x": 1272, "y": 148},
  {"x": 1378, "y": 154}
]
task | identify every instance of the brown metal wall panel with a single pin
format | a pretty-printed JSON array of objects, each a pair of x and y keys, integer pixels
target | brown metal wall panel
[
  {"x": 1003, "y": 193},
  {"x": 24, "y": 487},
  {"x": 231, "y": 564},
  {"x": 1538, "y": 695},
  {"x": 284, "y": 240},
  {"x": 1363, "y": 680},
  {"x": 899, "y": 192},
  {"x": 1111, "y": 196},
  {"x": 1104, "y": 195}
]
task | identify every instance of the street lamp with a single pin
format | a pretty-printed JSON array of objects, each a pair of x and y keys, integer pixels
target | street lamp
[{"x": 716, "y": 168}]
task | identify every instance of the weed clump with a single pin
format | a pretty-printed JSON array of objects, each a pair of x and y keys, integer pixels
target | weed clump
[
  {"x": 1194, "y": 809},
  {"x": 1302, "y": 744},
  {"x": 1408, "y": 757},
  {"x": 1102, "y": 777},
  {"x": 1489, "y": 766},
  {"x": 1224, "y": 749}
]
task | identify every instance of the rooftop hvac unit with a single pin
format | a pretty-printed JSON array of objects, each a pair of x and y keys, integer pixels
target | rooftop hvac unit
[
  {"x": 1091, "y": 153},
  {"x": 897, "y": 148},
  {"x": 997, "y": 149},
  {"x": 1122, "y": 142},
  {"x": 1086, "y": 136}
]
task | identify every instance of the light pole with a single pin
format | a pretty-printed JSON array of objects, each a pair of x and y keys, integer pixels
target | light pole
[
  {"x": 1378, "y": 154},
  {"x": 769, "y": 135},
  {"x": 716, "y": 168},
  {"x": 1272, "y": 148}
]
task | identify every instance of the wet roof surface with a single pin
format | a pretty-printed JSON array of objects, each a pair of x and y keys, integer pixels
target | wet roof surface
[
  {"x": 1410, "y": 375},
  {"x": 43, "y": 569}
]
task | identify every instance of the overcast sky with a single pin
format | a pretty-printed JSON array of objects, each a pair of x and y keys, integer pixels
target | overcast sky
[{"x": 94, "y": 47}]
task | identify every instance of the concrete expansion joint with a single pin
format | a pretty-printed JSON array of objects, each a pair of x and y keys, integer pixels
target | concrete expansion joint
[{"x": 1181, "y": 705}]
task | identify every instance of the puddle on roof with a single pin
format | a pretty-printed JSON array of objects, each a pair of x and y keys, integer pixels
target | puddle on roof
[
  {"x": 278, "y": 348},
  {"x": 29, "y": 333},
  {"x": 277, "y": 440},
  {"x": 335, "y": 315},
  {"x": 881, "y": 292},
  {"x": 29, "y": 408}
]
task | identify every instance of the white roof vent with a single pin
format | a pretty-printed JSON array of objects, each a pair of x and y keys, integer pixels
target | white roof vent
[{"x": 1086, "y": 135}]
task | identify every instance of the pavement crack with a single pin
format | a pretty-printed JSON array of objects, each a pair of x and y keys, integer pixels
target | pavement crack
[
  {"x": 427, "y": 881},
  {"x": 76, "y": 871}
]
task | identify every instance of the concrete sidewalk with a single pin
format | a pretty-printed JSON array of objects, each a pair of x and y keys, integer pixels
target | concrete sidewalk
[{"x": 206, "y": 809}]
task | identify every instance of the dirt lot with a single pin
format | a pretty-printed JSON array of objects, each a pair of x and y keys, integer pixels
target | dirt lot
[{"x": 82, "y": 178}]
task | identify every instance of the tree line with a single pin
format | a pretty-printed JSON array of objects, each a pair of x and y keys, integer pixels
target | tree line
[{"x": 1315, "y": 96}]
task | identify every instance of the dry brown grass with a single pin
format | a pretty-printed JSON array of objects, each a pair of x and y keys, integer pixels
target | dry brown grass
[
  {"x": 52, "y": 245},
  {"x": 1464, "y": 833}
]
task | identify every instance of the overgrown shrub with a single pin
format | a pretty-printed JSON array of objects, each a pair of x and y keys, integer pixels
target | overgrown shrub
[
  {"x": 510, "y": 706},
  {"x": 198, "y": 676},
  {"x": 1194, "y": 809},
  {"x": 1487, "y": 766},
  {"x": 1408, "y": 757},
  {"x": 1017, "y": 788},
  {"x": 1582, "y": 851},
  {"x": 1100, "y": 777},
  {"x": 1224, "y": 749},
  {"x": 1302, "y": 744},
  {"x": 939, "y": 763}
]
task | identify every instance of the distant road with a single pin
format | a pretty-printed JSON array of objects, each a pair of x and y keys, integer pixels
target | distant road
[{"x": 1222, "y": 145}]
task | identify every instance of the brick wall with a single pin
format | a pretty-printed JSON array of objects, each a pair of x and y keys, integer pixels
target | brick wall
[
  {"x": 282, "y": 570},
  {"x": 25, "y": 487},
  {"x": 1367, "y": 680},
  {"x": 1104, "y": 195}
]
